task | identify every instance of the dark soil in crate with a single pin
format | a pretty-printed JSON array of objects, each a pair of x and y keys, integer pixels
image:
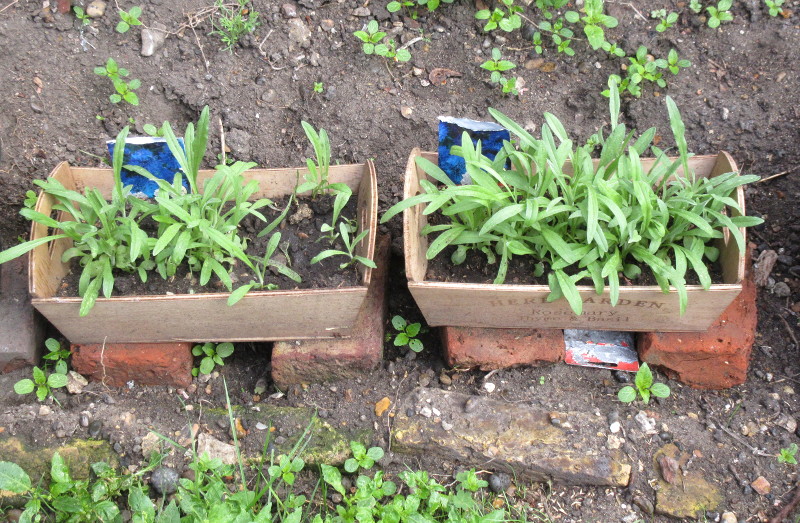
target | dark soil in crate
[{"x": 301, "y": 240}]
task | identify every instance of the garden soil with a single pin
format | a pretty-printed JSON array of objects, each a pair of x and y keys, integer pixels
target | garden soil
[{"x": 740, "y": 95}]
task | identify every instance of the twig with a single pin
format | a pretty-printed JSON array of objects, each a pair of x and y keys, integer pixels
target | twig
[
  {"x": 757, "y": 452},
  {"x": 791, "y": 331},
  {"x": 260, "y": 50},
  {"x": 203, "y": 54},
  {"x": 222, "y": 143},
  {"x": 410, "y": 43},
  {"x": 784, "y": 173},
  {"x": 789, "y": 508},
  {"x": 388, "y": 414},
  {"x": 9, "y": 5}
]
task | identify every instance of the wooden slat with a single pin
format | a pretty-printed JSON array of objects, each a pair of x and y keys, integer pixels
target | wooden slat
[
  {"x": 521, "y": 306},
  {"x": 270, "y": 315}
]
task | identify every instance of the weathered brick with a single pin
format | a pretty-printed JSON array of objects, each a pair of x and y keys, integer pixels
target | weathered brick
[
  {"x": 488, "y": 349},
  {"x": 315, "y": 361},
  {"x": 715, "y": 359},
  {"x": 143, "y": 363},
  {"x": 21, "y": 327}
]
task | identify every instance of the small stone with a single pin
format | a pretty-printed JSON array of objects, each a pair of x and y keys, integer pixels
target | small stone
[
  {"x": 84, "y": 419},
  {"x": 108, "y": 399},
  {"x": 165, "y": 480},
  {"x": 289, "y": 10},
  {"x": 446, "y": 425},
  {"x": 761, "y": 485},
  {"x": 615, "y": 427},
  {"x": 299, "y": 33},
  {"x": 665, "y": 436},
  {"x": 36, "y": 106},
  {"x": 153, "y": 38},
  {"x": 782, "y": 290},
  {"x": 489, "y": 387},
  {"x": 75, "y": 382},
  {"x": 444, "y": 379},
  {"x": 44, "y": 410},
  {"x": 669, "y": 468},
  {"x": 499, "y": 482},
  {"x": 471, "y": 404},
  {"x": 621, "y": 376},
  {"x": 644, "y": 504},
  {"x": 150, "y": 443},
  {"x": 94, "y": 428},
  {"x": 614, "y": 442},
  {"x": 96, "y": 9},
  {"x": 426, "y": 412},
  {"x": 361, "y": 12},
  {"x": 406, "y": 111},
  {"x": 647, "y": 424},
  {"x": 261, "y": 426},
  {"x": 118, "y": 448},
  {"x": 728, "y": 517},
  {"x": 381, "y": 406}
]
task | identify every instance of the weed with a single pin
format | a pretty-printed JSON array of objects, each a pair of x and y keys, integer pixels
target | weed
[
  {"x": 319, "y": 87},
  {"x": 42, "y": 383},
  {"x": 124, "y": 89},
  {"x": 674, "y": 64},
  {"x": 788, "y": 455},
  {"x": 430, "y": 5},
  {"x": 372, "y": 43},
  {"x": 81, "y": 15},
  {"x": 720, "y": 13},
  {"x": 152, "y": 130},
  {"x": 56, "y": 354},
  {"x": 507, "y": 19},
  {"x": 594, "y": 20},
  {"x": 213, "y": 355},
  {"x": 349, "y": 252},
  {"x": 129, "y": 19},
  {"x": 665, "y": 21},
  {"x": 407, "y": 334},
  {"x": 497, "y": 66},
  {"x": 612, "y": 49},
  {"x": 696, "y": 6},
  {"x": 774, "y": 7},
  {"x": 644, "y": 387},
  {"x": 560, "y": 35},
  {"x": 263, "y": 265},
  {"x": 547, "y": 6},
  {"x": 233, "y": 21},
  {"x": 643, "y": 67},
  {"x": 363, "y": 458}
]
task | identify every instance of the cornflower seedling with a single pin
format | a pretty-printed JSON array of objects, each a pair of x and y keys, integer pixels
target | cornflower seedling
[
  {"x": 774, "y": 7},
  {"x": 594, "y": 21},
  {"x": 720, "y": 13},
  {"x": 644, "y": 387},
  {"x": 674, "y": 64},
  {"x": 507, "y": 20},
  {"x": 349, "y": 252},
  {"x": 129, "y": 19},
  {"x": 665, "y": 21},
  {"x": 316, "y": 180},
  {"x": 81, "y": 15}
]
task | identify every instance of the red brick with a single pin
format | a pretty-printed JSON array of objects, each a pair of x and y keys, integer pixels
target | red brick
[
  {"x": 715, "y": 359},
  {"x": 488, "y": 349},
  {"x": 145, "y": 363},
  {"x": 316, "y": 361},
  {"x": 21, "y": 327}
]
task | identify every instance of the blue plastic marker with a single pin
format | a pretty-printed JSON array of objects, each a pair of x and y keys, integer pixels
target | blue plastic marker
[
  {"x": 150, "y": 153},
  {"x": 490, "y": 134}
]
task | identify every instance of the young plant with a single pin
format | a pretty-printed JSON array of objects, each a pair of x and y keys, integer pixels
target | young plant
[
  {"x": 407, "y": 334},
  {"x": 546, "y": 7},
  {"x": 643, "y": 67},
  {"x": 507, "y": 19},
  {"x": 129, "y": 19},
  {"x": 213, "y": 355},
  {"x": 56, "y": 354},
  {"x": 774, "y": 7},
  {"x": 559, "y": 34},
  {"x": 594, "y": 21},
  {"x": 788, "y": 455},
  {"x": 124, "y": 89},
  {"x": 696, "y": 6},
  {"x": 363, "y": 458},
  {"x": 497, "y": 66},
  {"x": 430, "y": 5},
  {"x": 349, "y": 252},
  {"x": 612, "y": 49},
  {"x": 81, "y": 15},
  {"x": 152, "y": 130},
  {"x": 720, "y": 13},
  {"x": 42, "y": 383},
  {"x": 372, "y": 43},
  {"x": 665, "y": 21},
  {"x": 329, "y": 231},
  {"x": 233, "y": 21},
  {"x": 674, "y": 64},
  {"x": 644, "y": 387},
  {"x": 262, "y": 266},
  {"x": 319, "y": 87}
]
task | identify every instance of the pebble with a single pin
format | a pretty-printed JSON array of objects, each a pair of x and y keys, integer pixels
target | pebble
[
  {"x": 289, "y": 11},
  {"x": 361, "y": 12},
  {"x": 446, "y": 425},
  {"x": 36, "y": 106},
  {"x": 665, "y": 436},
  {"x": 615, "y": 427},
  {"x": 621, "y": 376},
  {"x": 299, "y": 33},
  {"x": 96, "y": 9},
  {"x": 76, "y": 382},
  {"x": 426, "y": 411},
  {"x": 761, "y": 485},
  {"x": 118, "y": 448},
  {"x": 84, "y": 419},
  {"x": 44, "y": 410},
  {"x": 471, "y": 404},
  {"x": 499, "y": 482},
  {"x": 729, "y": 517},
  {"x": 108, "y": 399},
  {"x": 165, "y": 480},
  {"x": 644, "y": 504},
  {"x": 647, "y": 424},
  {"x": 444, "y": 379},
  {"x": 782, "y": 290},
  {"x": 153, "y": 38},
  {"x": 94, "y": 428},
  {"x": 489, "y": 387}
]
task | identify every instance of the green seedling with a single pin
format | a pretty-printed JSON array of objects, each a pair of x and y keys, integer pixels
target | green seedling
[
  {"x": 497, "y": 66},
  {"x": 509, "y": 86},
  {"x": 349, "y": 252},
  {"x": 329, "y": 231},
  {"x": 42, "y": 383},
  {"x": 56, "y": 354},
  {"x": 644, "y": 387},
  {"x": 372, "y": 43},
  {"x": 695, "y": 6},
  {"x": 774, "y": 7},
  {"x": 233, "y": 21},
  {"x": 407, "y": 334},
  {"x": 720, "y": 13},
  {"x": 263, "y": 266},
  {"x": 213, "y": 356},
  {"x": 81, "y": 15},
  {"x": 546, "y": 7},
  {"x": 286, "y": 469},
  {"x": 505, "y": 17},
  {"x": 665, "y": 20},
  {"x": 674, "y": 64},
  {"x": 363, "y": 458},
  {"x": 560, "y": 35},
  {"x": 594, "y": 22},
  {"x": 153, "y": 131},
  {"x": 129, "y": 19},
  {"x": 788, "y": 455},
  {"x": 124, "y": 89},
  {"x": 319, "y": 87},
  {"x": 469, "y": 480},
  {"x": 643, "y": 67},
  {"x": 30, "y": 199},
  {"x": 430, "y": 5},
  {"x": 316, "y": 179},
  {"x": 612, "y": 49}
]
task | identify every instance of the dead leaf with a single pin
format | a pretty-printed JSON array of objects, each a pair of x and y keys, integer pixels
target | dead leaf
[
  {"x": 381, "y": 406},
  {"x": 240, "y": 430},
  {"x": 440, "y": 75},
  {"x": 39, "y": 84},
  {"x": 763, "y": 267},
  {"x": 548, "y": 67},
  {"x": 669, "y": 468},
  {"x": 405, "y": 111}
]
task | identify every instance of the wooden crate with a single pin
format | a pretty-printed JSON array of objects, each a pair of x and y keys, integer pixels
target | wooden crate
[
  {"x": 640, "y": 308},
  {"x": 259, "y": 316}
]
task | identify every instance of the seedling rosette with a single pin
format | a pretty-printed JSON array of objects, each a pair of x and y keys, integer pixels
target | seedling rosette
[{"x": 590, "y": 226}]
